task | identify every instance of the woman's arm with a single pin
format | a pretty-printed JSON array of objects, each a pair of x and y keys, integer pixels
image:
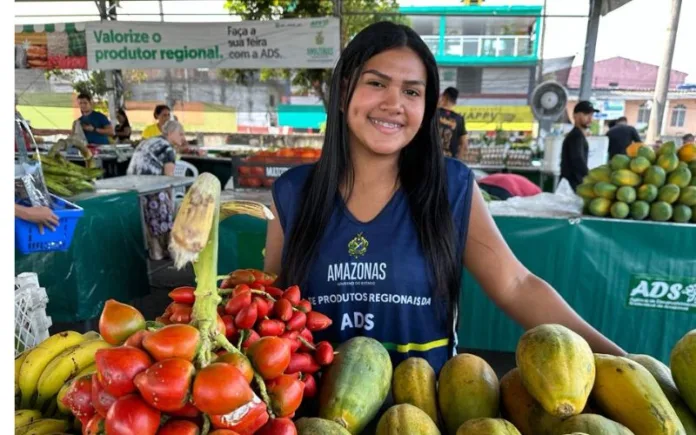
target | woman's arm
[
  {"x": 274, "y": 244},
  {"x": 526, "y": 298},
  {"x": 169, "y": 169}
]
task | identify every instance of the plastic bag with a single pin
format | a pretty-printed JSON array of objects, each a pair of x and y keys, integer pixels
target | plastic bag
[
  {"x": 30, "y": 187},
  {"x": 563, "y": 203}
]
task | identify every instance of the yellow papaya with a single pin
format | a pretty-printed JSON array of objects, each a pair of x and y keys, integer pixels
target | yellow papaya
[
  {"x": 627, "y": 393},
  {"x": 487, "y": 426},
  {"x": 557, "y": 368},
  {"x": 405, "y": 418},
  {"x": 593, "y": 424},
  {"x": 468, "y": 388},
  {"x": 319, "y": 426},
  {"x": 683, "y": 364},
  {"x": 663, "y": 376},
  {"x": 415, "y": 383},
  {"x": 520, "y": 408}
]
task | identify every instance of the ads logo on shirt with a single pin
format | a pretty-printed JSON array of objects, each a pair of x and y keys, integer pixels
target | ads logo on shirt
[{"x": 357, "y": 273}]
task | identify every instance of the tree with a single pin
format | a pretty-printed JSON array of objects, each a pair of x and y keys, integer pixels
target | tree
[
  {"x": 363, "y": 13},
  {"x": 89, "y": 82}
]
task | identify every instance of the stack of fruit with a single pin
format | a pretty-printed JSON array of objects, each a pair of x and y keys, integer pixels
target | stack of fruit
[
  {"x": 42, "y": 375},
  {"x": 644, "y": 185},
  {"x": 559, "y": 387}
]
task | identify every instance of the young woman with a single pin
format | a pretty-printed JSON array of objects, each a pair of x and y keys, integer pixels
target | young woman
[
  {"x": 377, "y": 231},
  {"x": 162, "y": 114},
  {"x": 123, "y": 128}
]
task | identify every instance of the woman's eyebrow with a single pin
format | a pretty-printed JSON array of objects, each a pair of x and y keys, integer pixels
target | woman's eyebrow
[{"x": 386, "y": 77}]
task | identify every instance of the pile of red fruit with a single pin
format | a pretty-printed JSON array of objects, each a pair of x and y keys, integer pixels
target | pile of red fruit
[{"x": 151, "y": 382}]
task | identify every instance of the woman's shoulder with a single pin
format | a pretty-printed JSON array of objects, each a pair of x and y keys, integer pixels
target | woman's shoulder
[
  {"x": 457, "y": 171},
  {"x": 294, "y": 178}
]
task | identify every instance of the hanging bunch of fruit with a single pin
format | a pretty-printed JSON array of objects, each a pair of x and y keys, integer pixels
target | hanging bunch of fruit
[{"x": 644, "y": 185}]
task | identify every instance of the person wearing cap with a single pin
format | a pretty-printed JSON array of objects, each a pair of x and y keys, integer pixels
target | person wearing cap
[{"x": 575, "y": 146}]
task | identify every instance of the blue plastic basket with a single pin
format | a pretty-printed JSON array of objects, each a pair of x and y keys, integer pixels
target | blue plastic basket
[{"x": 28, "y": 239}]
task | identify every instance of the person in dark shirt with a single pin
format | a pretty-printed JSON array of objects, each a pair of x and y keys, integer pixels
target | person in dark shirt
[
  {"x": 453, "y": 134},
  {"x": 575, "y": 146},
  {"x": 95, "y": 125},
  {"x": 123, "y": 128},
  {"x": 621, "y": 135},
  {"x": 688, "y": 139}
]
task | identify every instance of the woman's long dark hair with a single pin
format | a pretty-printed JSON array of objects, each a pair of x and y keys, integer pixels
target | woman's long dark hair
[
  {"x": 421, "y": 170},
  {"x": 126, "y": 122}
]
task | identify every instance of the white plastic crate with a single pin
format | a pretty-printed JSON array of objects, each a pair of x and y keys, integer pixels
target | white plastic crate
[{"x": 31, "y": 321}]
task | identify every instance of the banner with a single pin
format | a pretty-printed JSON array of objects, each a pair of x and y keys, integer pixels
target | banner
[
  {"x": 298, "y": 43},
  {"x": 49, "y": 46},
  {"x": 491, "y": 118}
]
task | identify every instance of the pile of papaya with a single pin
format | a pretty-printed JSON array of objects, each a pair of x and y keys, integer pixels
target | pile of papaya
[
  {"x": 644, "y": 185},
  {"x": 559, "y": 387}
]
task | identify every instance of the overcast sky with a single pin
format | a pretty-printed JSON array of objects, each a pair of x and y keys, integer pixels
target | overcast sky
[{"x": 636, "y": 30}]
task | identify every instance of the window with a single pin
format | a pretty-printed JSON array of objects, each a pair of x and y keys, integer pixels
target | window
[
  {"x": 678, "y": 116},
  {"x": 643, "y": 114}
]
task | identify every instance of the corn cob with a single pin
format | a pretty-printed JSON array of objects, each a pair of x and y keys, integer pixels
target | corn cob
[
  {"x": 57, "y": 187},
  {"x": 249, "y": 208}
]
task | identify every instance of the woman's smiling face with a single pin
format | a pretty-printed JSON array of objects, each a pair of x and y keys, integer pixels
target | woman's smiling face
[{"x": 386, "y": 109}]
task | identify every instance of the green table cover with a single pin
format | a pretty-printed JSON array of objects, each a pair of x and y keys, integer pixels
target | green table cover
[
  {"x": 106, "y": 259},
  {"x": 595, "y": 264}
]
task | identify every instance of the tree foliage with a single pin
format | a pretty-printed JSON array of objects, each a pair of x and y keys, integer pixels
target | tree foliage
[{"x": 357, "y": 14}]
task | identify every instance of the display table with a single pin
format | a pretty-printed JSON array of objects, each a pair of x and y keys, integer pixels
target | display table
[
  {"x": 106, "y": 259},
  {"x": 221, "y": 167},
  {"x": 595, "y": 264}
]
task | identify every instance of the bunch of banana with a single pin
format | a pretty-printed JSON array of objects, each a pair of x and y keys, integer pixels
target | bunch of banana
[
  {"x": 29, "y": 422},
  {"x": 43, "y": 371}
]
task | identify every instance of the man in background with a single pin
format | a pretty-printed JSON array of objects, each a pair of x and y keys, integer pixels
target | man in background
[
  {"x": 621, "y": 135},
  {"x": 96, "y": 126},
  {"x": 453, "y": 134},
  {"x": 575, "y": 147},
  {"x": 688, "y": 139}
]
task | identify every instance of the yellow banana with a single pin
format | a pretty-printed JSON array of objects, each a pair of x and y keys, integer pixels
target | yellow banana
[
  {"x": 249, "y": 208},
  {"x": 65, "y": 367},
  {"x": 19, "y": 359},
  {"x": 24, "y": 417},
  {"x": 38, "y": 358},
  {"x": 44, "y": 426},
  {"x": 87, "y": 370},
  {"x": 91, "y": 335}
]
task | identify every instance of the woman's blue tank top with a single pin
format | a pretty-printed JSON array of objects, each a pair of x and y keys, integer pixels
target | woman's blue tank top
[{"x": 372, "y": 278}]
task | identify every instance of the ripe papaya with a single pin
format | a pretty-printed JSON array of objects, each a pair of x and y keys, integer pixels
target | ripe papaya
[
  {"x": 663, "y": 376},
  {"x": 586, "y": 191},
  {"x": 655, "y": 175},
  {"x": 405, "y": 418},
  {"x": 682, "y": 213},
  {"x": 647, "y": 192},
  {"x": 356, "y": 384},
  {"x": 593, "y": 424},
  {"x": 468, "y": 388},
  {"x": 625, "y": 177},
  {"x": 601, "y": 173},
  {"x": 619, "y": 161},
  {"x": 602, "y": 189},
  {"x": 669, "y": 162},
  {"x": 680, "y": 176},
  {"x": 667, "y": 148},
  {"x": 415, "y": 383},
  {"x": 487, "y": 426},
  {"x": 639, "y": 165},
  {"x": 557, "y": 368},
  {"x": 520, "y": 408},
  {"x": 627, "y": 393},
  {"x": 687, "y": 153},
  {"x": 648, "y": 153},
  {"x": 683, "y": 364},
  {"x": 633, "y": 149},
  {"x": 626, "y": 194},
  {"x": 688, "y": 196},
  {"x": 660, "y": 211},
  {"x": 668, "y": 193},
  {"x": 319, "y": 426}
]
